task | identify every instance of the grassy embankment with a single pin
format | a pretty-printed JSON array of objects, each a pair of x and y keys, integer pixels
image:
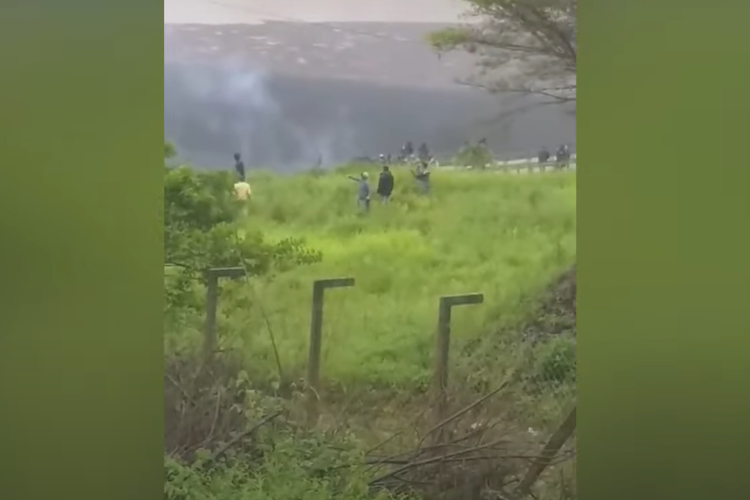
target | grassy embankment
[{"x": 506, "y": 236}]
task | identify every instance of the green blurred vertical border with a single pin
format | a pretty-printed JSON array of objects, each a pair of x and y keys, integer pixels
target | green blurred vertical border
[
  {"x": 81, "y": 143},
  {"x": 664, "y": 249}
]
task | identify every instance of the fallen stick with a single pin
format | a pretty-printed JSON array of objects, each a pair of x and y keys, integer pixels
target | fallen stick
[
  {"x": 558, "y": 439},
  {"x": 463, "y": 411},
  {"x": 240, "y": 437}
]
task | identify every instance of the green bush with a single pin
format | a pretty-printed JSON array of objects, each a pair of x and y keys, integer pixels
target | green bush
[
  {"x": 290, "y": 467},
  {"x": 473, "y": 155},
  {"x": 203, "y": 229},
  {"x": 224, "y": 440}
]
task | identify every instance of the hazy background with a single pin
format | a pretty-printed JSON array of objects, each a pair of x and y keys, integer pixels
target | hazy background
[{"x": 287, "y": 83}]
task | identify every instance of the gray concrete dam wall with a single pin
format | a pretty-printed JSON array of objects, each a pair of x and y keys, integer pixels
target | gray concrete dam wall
[{"x": 287, "y": 95}]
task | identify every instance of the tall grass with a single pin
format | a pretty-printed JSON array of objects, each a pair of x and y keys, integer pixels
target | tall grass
[{"x": 506, "y": 236}]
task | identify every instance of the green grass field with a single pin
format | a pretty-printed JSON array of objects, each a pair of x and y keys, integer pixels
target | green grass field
[{"x": 506, "y": 236}]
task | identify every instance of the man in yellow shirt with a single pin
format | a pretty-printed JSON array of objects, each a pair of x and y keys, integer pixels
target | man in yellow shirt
[
  {"x": 243, "y": 193},
  {"x": 242, "y": 190}
]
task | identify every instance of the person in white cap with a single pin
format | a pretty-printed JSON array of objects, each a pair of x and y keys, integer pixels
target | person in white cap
[{"x": 363, "y": 190}]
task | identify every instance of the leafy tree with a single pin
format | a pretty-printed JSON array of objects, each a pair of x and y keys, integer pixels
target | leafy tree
[
  {"x": 473, "y": 155},
  {"x": 201, "y": 231},
  {"x": 526, "y": 46},
  {"x": 169, "y": 150}
]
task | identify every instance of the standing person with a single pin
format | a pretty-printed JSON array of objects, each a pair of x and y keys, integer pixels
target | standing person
[
  {"x": 385, "y": 185},
  {"x": 562, "y": 156},
  {"x": 363, "y": 191},
  {"x": 543, "y": 158},
  {"x": 242, "y": 191},
  {"x": 422, "y": 176},
  {"x": 239, "y": 166},
  {"x": 424, "y": 153},
  {"x": 243, "y": 194},
  {"x": 407, "y": 151}
]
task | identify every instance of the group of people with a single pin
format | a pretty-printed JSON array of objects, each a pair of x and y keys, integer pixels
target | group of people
[
  {"x": 562, "y": 157},
  {"x": 407, "y": 152},
  {"x": 384, "y": 190},
  {"x": 386, "y": 184}
]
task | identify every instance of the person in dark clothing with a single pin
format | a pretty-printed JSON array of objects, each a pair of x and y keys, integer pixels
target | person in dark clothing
[
  {"x": 543, "y": 156},
  {"x": 424, "y": 153},
  {"x": 239, "y": 166},
  {"x": 385, "y": 185},
  {"x": 407, "y": 150},
  {"x": 563, "y": 156}
]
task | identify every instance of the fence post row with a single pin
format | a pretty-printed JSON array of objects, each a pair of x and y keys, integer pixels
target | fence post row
[
  {"x": 212, "y": 295},
  {"x": 440, "y": 381},
  {"x": 316, "y": 333}
]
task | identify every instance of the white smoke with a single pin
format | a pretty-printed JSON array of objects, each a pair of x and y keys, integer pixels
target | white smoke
[{"x": 252, "y": 121}]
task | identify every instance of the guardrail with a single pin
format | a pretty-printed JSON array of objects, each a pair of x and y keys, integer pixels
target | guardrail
[{"x": 517, "y": 165}]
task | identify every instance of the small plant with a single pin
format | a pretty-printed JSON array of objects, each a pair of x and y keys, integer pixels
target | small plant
[{"x": 557, "y": 361}]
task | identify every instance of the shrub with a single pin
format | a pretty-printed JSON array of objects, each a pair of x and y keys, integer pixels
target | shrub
[
  {"x": 557, "y": 360},
  {"x": 209, "y": 406}
]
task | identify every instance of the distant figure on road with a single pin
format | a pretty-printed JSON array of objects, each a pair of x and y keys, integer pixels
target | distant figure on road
[
  {"x": 363, "y": 191},
  {"x": 563, "y": 156},
  {"x": 385, "y": 185},
  {"x": 543, "y": 156},
  {"x": 422, "y": 176},
  {"x": 407, "y": 150},
  {"x": 239, "y": 166},
  {"x": 424, "y": 153}
]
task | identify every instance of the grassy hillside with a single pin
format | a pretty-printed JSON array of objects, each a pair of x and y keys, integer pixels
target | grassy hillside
[{"x": 506, "y": 236}]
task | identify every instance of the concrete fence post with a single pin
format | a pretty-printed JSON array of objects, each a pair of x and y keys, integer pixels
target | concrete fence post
[
  {"x": 212, "y": 296},
  {"x": 442, "y": 349},
  {"x": 316, "y": 334}
]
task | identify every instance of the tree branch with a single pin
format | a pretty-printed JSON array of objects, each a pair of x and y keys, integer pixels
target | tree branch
[{"x": 537, "y": 37}]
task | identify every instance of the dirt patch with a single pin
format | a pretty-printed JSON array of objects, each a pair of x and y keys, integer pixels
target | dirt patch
[{"x": 556, "y": 313}]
